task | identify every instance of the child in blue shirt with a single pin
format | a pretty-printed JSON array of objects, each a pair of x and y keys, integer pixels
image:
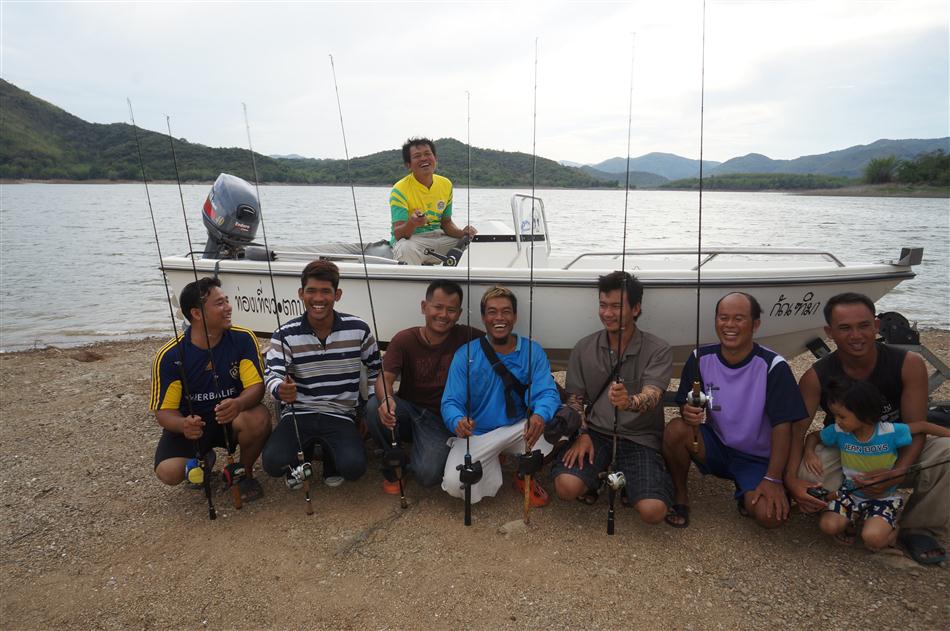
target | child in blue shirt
[{"x": 867, "y": 444}]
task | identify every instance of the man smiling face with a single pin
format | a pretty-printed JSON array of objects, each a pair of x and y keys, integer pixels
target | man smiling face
[
  {"x": 318, "y": 297},
  {"x": 499, "y": 318},
  {"x": 422, "y": 163}
]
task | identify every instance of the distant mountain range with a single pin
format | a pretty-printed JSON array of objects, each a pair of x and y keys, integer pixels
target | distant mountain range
[
  {"x": 39, "y": 141},
  {"x": 842, "y": 163}
]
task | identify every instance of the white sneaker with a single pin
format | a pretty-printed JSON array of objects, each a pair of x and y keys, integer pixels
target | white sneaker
[{"x": 333, "y": 480}]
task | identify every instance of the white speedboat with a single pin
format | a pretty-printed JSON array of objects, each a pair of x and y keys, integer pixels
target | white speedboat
[{"x": 557, "y": 295}]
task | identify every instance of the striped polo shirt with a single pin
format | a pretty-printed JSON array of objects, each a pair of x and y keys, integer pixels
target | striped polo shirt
[{"x": 327, "y": 374}]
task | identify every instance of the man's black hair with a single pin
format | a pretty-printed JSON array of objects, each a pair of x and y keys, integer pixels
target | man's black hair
[
  {"x": 412, "y": 142},
  {"x": 321, "y": 270},
  {"x": 194, "y": 294},
  {"x": 632, "y": 287},
  {"x": 756, "y": 308},
  {"x": 861, "y": 398},
  {"x": 449, "y": 287},
  {"x": 847, "y": 298}
]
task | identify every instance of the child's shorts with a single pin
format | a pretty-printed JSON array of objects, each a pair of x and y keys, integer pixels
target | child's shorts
[{"x": 853, "y": 508}]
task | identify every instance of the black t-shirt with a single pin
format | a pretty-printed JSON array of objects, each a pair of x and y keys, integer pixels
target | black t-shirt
[{"x": 886, "y": 376}]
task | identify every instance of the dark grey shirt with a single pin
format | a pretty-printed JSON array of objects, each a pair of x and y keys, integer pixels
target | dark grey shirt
[{"x": 647, "y": 360}]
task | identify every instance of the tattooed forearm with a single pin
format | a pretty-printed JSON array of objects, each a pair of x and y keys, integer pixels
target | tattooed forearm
[
  {"x": 647, "y": 400},
  {"x": 576, "y": 403}
]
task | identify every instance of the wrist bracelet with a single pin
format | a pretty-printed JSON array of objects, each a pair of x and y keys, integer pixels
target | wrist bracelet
[{"x": 773, "y": 480}]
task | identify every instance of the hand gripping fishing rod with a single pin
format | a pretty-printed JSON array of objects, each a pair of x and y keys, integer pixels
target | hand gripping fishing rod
[
  {"x": 395, "y": 457},
  {"x": 303, "y": 472},
  {"x": 696, "y": 397},
  {"x": 469, "y": 472},
  {"x": 233, "y": 472},
  {"x": 531, "y": 461},
  {"x": 615, "y": 480},
  {"x": 199, "y": 457},
  {"x": 824, "y": 494}
]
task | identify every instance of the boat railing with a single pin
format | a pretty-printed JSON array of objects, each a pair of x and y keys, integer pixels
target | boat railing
[
  {"x": 711, "y": 253},
  {"x": 518, "y": 203}
]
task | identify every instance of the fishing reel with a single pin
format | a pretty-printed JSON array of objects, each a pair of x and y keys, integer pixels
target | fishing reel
[
  {"x": 530, "y": 463},
  {"x": 469, "y": 472},
  {"x": 296, "y": 476},
  {"x": 233, "y": 473},
  {"x": 614, "y": 480},
  {"x": 395, "y": 457},
  {"x": 819, "y": 493},
  {"x": 696, "y": 397},
  {"x": 194, "y": 472}
]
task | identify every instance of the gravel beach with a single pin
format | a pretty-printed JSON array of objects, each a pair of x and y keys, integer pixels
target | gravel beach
[{"x": 91, "y": 540}]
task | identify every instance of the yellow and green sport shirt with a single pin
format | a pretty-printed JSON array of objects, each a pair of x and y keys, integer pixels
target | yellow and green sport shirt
[{"x": 409, "y": 195}]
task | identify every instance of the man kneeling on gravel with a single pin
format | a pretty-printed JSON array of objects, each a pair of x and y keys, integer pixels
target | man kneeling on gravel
[
  {"x": 742, "y": 431},
  {"x": 631, "y": 406},
  {"x": 494, "y": 383},
  {"x": 207, "y": 386}
]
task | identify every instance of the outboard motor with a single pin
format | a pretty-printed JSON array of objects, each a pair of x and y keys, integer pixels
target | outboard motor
[{"x": 231, "y": 215}]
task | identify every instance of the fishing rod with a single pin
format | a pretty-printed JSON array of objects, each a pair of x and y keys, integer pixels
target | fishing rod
[
  {"x": 191, "y": 474},
  {"x": 395, "y": 457},
  {"x": 469, "y": 472},
  {"x": 696, "y": 397},
  {"x": 824, "y": 494},
  {"x": 615, "y": 480},
  {"x": 303, "y": 472},
  {"x": 233, "y": 473},
  {"x": 531, "y": 461}
]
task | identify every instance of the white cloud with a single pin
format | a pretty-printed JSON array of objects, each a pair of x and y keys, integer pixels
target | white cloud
[{"x": 777, "y": 73}]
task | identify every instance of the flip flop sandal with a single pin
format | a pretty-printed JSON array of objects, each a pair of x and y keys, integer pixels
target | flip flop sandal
[
  {"x": 918, "y": 545},
  {"x": 250, "y": 490},
  {"x": 589, "y": 498},
  {"x": 848, "y": 537},
  {"x": 678, "y": 511}
]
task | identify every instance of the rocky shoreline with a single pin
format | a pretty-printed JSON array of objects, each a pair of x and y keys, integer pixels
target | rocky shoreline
[{"x": 90, "y": 540}]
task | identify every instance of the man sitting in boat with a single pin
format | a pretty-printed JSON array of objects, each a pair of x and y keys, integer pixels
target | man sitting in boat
[
  {"x": 419, "y": 357},
  {"x": 421, "y": 208},
  {"x": 634, "y": 403},
  {"x": 198, "y": 395},
  {"x": 313, "y": 367},
  {"x": 751, "y": 401},
  {"x": 477, "y": 404},
  {"x": 901, "y": 378}
]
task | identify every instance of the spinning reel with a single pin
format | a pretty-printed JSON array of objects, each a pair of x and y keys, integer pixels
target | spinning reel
[
  {"x": 696, "y": 397},
  {"x": 296, "y": 476},
  {"x": 615, "y": 480}
]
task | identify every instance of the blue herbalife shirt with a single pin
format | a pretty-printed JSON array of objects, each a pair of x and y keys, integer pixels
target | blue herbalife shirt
[{"x": 237, "y": 362}]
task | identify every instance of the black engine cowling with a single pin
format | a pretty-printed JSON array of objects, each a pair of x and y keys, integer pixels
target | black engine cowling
[{"x": 231, "y": 214}]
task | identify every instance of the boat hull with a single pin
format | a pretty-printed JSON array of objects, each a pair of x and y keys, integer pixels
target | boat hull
[{"x": 556, "y": 306}]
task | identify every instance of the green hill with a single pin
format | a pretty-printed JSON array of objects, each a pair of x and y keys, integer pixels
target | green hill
[{"x": 39, "y": 141}]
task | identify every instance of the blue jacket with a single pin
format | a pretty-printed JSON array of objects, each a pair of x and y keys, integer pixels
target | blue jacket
[{"x": 487, "y": 392}]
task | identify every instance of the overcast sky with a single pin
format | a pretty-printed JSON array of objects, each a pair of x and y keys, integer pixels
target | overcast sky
[{"x": 783, "y": 78}]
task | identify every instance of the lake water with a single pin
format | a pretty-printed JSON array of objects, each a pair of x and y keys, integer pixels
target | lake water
[{"x": 78, "y": 262}]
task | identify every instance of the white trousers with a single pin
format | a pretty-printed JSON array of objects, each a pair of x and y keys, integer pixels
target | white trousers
[
  {"x": 413, "y": 250},
  {"x": 486, "y": 447}
]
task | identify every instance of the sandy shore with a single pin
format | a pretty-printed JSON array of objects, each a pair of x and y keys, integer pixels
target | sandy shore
[{"x": 90, "y": 540}]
